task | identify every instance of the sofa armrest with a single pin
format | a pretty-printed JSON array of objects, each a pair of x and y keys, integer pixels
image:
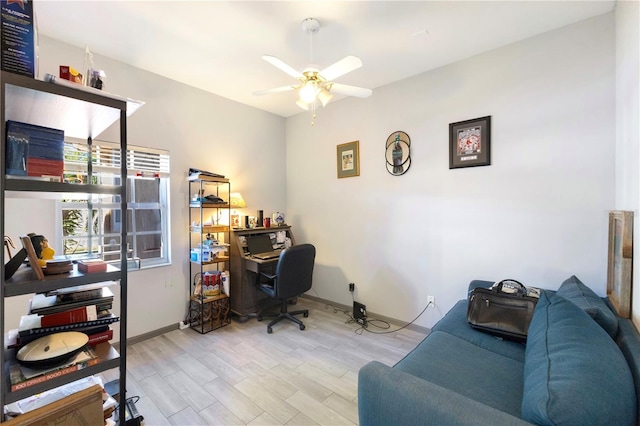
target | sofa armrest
[{"x": 387, "y": 396}]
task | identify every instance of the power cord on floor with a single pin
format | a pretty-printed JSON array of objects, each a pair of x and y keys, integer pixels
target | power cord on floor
[
  {"x": 364, "y": 327},
  {"x": 132, "y": 417}
]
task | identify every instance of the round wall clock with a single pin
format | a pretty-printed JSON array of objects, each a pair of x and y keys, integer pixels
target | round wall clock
[{"x": 398, "y": 153}]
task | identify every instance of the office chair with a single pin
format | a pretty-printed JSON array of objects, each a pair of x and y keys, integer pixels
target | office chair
[{"x": 292, "y": 278}]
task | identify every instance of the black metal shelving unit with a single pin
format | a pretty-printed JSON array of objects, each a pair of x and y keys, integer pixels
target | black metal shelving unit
[
  {"x": 82, "y": 113},
  {"x": 207, "y": 313}
]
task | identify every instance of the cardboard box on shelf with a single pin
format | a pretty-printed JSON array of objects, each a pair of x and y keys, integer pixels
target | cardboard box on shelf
[{"x": 71, "y": 74}]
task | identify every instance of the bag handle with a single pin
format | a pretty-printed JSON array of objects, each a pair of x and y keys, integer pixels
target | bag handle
[{"x": 517, "y": 285}]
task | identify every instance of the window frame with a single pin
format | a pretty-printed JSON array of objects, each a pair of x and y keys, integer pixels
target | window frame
[{"x": 149, "y": 163}]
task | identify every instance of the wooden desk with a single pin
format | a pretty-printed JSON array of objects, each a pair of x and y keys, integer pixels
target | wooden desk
[{"x": 245, "y": 298}]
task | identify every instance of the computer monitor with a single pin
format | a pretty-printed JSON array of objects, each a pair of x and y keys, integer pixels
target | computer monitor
[{"x": 260, "y": 243}]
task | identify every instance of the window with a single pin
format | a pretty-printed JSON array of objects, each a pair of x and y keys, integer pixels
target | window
[{"x": 92, "y": 225}]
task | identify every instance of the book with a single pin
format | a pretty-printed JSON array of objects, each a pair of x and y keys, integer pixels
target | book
[
  {"x": 195, "y": 174},
  {"x": 72, "y": 316},
  {"x": 76, "y": 296},
  {"x": 49, "y": 304},
  {"x": 43, "y": 331},
  {"x": 93, "y": 265},
  {"x": 23, "y": 377},
  {"x": 15, "y": 341},
  {"x": 103, "y": 336}
]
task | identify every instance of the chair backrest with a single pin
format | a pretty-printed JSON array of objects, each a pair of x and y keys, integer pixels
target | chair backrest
[{"x": 295, "y": 270}]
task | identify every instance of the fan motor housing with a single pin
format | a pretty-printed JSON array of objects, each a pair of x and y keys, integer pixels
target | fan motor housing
[{"x": 310, "y": 25}]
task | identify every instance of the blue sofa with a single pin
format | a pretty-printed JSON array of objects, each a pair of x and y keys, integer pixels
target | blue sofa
[{"x": 580, "y": 366}]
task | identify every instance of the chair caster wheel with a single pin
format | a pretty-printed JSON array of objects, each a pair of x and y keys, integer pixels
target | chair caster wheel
[
  {"x": 301, "y": 326},
  {"x": 269, "y": 330},
  {"x": 259, "y": 317},
  {"x": 305, "y": 314}
]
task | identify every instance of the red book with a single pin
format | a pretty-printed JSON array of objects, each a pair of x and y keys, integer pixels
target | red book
[
  {"x": 83, "y": 314},
  {"x": 104, "y": 336}
]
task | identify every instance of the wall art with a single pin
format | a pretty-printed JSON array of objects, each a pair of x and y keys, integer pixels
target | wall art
[
  {"x": 398, "y": 153},
  {"x": 348, "y": 159},
  {"x": 470, "y": 143}
]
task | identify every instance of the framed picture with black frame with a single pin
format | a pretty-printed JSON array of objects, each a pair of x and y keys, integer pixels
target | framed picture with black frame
[{"x": 470, "y": 143}]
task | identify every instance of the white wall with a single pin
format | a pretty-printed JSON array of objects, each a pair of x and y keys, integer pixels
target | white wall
[
  {"x": 537, "y": 214},
  {"x": 200, "y": 130},
  {"x": 628, "y": 126}
]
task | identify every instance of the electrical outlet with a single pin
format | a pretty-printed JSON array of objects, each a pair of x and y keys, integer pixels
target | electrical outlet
[
  {"x": 352, "y": 287},
  {"x": 431, "y": 301}
]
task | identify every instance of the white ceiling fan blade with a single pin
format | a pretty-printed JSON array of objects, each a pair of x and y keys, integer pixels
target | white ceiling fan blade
[
  {"x": 345, "y": 89},
  {"x": 274, "y": 90},
  {"x": 343, "y": 66},
  {"x": 282, "y": 66}
]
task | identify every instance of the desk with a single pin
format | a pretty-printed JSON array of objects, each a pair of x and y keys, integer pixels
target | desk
[{"x": 245, "y": 298}]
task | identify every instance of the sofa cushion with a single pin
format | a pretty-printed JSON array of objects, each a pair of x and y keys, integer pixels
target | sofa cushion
[
  {"x": 467, "y": 369},
  {"x": 455, "y": 323},
  {"x": 577, "y": 292},
  {"x": 574, "y": 373}
]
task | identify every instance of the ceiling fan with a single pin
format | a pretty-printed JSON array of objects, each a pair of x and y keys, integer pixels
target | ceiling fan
[{"x": 317, "y": 85}]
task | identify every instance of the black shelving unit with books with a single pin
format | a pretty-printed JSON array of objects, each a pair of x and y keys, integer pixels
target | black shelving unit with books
[{"x": 82, "y": 113}]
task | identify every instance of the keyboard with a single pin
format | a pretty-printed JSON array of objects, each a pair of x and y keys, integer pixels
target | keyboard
[{"x": 268, "y": 255}]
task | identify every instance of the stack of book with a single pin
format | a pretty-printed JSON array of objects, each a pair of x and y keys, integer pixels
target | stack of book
[
  {"x": 34, "y": 150},
  {"x": 23, "y": 377},
  {"x": 86, "y": 310}
]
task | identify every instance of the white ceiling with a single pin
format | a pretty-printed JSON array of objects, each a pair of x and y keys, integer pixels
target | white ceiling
[{"x": 217, "y": 45}]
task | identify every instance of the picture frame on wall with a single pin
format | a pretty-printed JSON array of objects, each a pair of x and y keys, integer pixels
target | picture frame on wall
[
  {"x": 620, "y": 261},
  {"x": 348, "y": 159},
  {"x": 470, "y": 143}
]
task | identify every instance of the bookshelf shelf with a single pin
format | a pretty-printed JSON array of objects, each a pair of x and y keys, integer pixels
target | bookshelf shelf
[
  {"x": 24, "y": 185},
  {"x": 24, "y": 282},
  {"x": 81, "y": 114},
  {"x": 109, "y": 358}
]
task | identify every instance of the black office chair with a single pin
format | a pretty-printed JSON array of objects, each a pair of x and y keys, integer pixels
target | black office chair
[{"x": 292, "y": 278}]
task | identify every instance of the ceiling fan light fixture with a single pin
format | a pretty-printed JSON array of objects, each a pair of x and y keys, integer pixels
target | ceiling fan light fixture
[
  {"x": 315, "y": 86},
  {"x": 324, "y": 96},
  {"x": 309, "y": 91}
]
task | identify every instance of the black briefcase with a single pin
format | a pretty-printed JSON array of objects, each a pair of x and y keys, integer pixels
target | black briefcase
[{"x": 504, "y": 310}]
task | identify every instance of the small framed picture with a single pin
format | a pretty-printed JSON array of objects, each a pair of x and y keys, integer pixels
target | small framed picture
[
  {"x": 235, "y": 221},
  {"x": 470, "y": 143},
  {"x": 348, "y": 160}
]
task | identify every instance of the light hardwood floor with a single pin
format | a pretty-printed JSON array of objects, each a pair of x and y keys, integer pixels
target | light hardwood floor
[{"x": 240, "y": 375}]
